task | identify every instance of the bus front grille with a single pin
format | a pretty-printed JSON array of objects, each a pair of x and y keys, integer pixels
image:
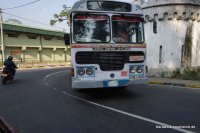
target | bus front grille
[{"x": 108, "y": 61}]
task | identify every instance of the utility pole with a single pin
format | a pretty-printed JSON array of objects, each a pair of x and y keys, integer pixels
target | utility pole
[{"x": 2, "y": 44}]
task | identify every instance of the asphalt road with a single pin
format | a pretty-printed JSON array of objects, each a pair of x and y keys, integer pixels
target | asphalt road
[{"x": 42, "y": 101}]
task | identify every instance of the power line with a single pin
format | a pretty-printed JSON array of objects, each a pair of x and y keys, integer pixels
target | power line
[
  {"x": 21, "y": 5},
  {"x": 33, "y": 20},
  {"x": 38, "y": 8}
]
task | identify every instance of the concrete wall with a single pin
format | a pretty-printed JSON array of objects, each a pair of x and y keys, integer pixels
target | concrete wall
[
  {"x": 22, "y": 40},
  {"x": 168, "y": 32},
  {"x": 196, "y": 44}
]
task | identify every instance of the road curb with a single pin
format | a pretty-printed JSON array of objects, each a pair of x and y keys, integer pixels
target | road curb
[
  {"x": 45, "y": 67},
  {"x": 175, "y": 84},
  {"x": 156, "y": 82},
  {"x": 192, "y": 85}
]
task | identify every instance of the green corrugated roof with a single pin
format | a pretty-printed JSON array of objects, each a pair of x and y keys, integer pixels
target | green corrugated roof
[{"x": 26, "y": 29}]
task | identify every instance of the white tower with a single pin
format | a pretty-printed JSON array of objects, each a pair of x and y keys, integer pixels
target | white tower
[{"x": 177, "y": 42}]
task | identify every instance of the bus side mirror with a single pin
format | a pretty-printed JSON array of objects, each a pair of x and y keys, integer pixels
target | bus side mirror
[
  {"x": 154, "y": 27},
  {"x": 67, "y": 39}
]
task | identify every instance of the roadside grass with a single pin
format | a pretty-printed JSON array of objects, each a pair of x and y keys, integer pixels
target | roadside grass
[
  {"x": 187, "y": 74},
  {"x": 193, "y": 86}
]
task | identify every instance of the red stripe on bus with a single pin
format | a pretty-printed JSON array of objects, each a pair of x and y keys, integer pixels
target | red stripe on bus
[{"x": 108, "y": 46}]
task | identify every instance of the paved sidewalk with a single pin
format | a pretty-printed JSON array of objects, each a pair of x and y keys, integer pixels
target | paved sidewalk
[{"x": 175, "y": 82}]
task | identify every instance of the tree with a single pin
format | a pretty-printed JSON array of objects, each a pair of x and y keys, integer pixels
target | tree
[
  {"x": 60, "y": 17},
  {"x": 14, "y": 21}
]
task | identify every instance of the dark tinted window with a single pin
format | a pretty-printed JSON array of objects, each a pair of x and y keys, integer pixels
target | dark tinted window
[{"x": 109, "y": 6}]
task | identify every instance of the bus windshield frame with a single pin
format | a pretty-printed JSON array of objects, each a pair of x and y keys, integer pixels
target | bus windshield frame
[{"x": 97, "y": 28}]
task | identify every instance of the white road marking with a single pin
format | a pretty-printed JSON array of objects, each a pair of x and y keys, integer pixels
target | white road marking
[
  {"x": 129, "y": 114},
  {"x": 54, "y": 74},
  {"x": 120, "y": 111},
  {"x": 51, "y": 75},
  {"x": 63, "y": 92}
]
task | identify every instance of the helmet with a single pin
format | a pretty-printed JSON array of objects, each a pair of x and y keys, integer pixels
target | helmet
[{"x": 10, "y": 58}]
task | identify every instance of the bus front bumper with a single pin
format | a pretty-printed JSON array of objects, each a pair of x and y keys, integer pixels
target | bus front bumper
[{"x": 84, "y": 84}]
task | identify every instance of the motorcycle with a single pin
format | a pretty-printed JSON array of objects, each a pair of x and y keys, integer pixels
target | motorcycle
[{"x": 6, "y": 76}]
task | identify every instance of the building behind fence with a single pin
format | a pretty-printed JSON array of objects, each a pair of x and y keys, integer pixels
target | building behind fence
[{"x": 35, "y": 47}]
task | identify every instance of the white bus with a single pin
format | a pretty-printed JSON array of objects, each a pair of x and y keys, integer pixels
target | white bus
[{"x": 107, "y": 44}]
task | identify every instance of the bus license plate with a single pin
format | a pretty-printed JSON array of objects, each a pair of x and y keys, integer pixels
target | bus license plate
[
  {"x": 113, "y": 83},
  {"x": 135, "y": 77}
]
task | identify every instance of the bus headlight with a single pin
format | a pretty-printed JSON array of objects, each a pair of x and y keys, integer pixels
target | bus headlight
[
  {"x": 133, "y": 69},
  {"x": 81, "y": 71},
  {"x": 140, "y": 69},
  {"x": 89, "y": 71}
]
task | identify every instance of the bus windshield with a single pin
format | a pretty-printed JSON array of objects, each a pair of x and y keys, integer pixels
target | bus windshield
[
  {"x": 127, "y": 29},
  {"x": 91, "y": 28},
  {"x": 95, "y": 28}
]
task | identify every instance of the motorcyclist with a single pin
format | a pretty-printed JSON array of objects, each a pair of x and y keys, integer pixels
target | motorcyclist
[{"x": 10, "y": 66}]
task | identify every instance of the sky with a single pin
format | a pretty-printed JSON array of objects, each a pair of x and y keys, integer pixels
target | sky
[{"x": 41, "y": 11}]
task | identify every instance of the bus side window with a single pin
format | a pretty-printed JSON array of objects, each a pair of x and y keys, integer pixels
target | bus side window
[
  {"x": 133, "y": 35},
  {"x": 67, "y": 39}
]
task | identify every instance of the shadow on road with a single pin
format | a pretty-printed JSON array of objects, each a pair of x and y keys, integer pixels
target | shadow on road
[
  {"x": 107, "y": 94},
  {"x": 15, "y": 81}
]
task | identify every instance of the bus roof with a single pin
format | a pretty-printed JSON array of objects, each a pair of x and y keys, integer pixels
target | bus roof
[{"x": 81, "y": 6}]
